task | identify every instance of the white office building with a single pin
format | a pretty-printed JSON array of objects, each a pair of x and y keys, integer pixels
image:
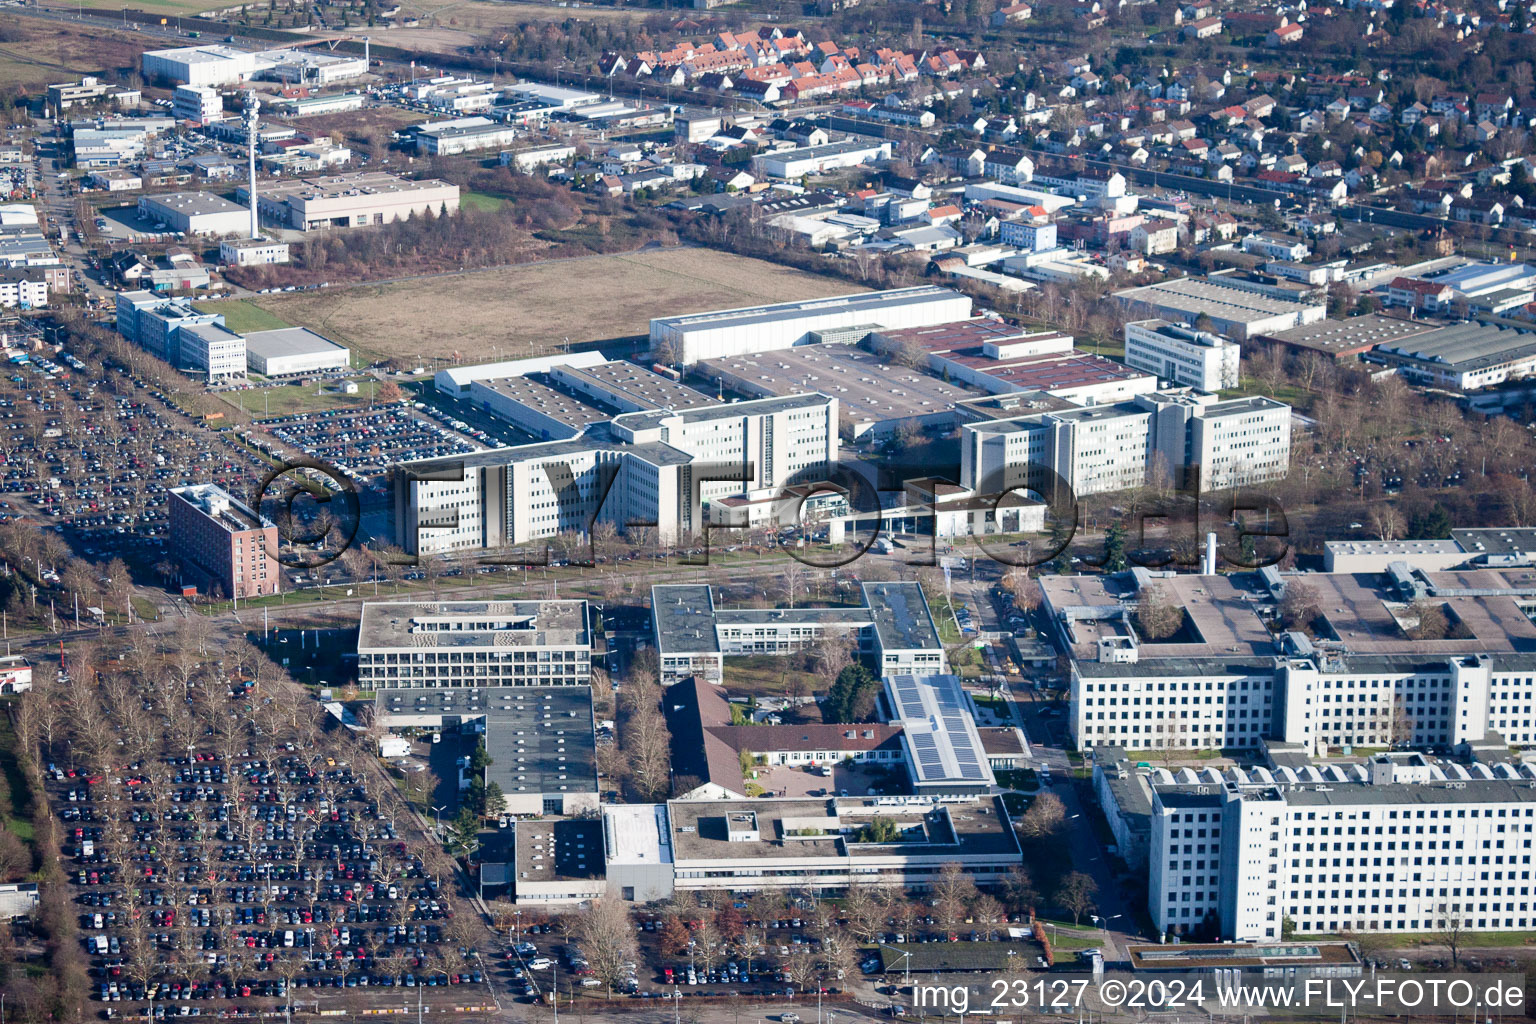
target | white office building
[
  {"x": 252, "y": 252},
  {"x": 197, "y": 103},
  {"x": 1181, "y": 355},
  {"x": 1230, "y": 678},
  {"x": 1112, "y": 447},
  {"x": 213, "y": 350},
  {"x": 735, "y": 332},
  {"x": 459, "y": 644},
  {"x": 1398, "y": 844},
  {"x": 642, "y": 467}
]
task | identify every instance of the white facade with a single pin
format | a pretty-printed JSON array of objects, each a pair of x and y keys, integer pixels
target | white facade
[
  {"x": 196, "y": 213},
  {"x": 527, "y": 160},
  {"x": 795, "y": 163},
  {"x": 252, "y": 252},
  {"x": 198, "y": 103},
  {"x": 290, "y": 351},
  {"x": 200, "y": 65},
  {"x": 1113, "y": 447},
  {"x": 1182, "y": 355},
  {"x": 23, "y": 287},
  {"x": 214, "y": 350},
  {"x": 734, "y": 332},
  {"x": 1381, "y": 847}
]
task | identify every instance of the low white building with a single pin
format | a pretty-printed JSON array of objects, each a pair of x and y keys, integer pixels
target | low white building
[
  {"x": 1181, "y": 355},
  {"x": 795, "y": 163},
  {"x": 528, "y": 160},
  {"x": 196, "y": 213},
  {"x": 292, "y": 351},
  {"x": 252, "y": 252}
]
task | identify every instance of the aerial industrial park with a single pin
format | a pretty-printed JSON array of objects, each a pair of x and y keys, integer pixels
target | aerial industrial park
[{"x": 854, "y": 509}]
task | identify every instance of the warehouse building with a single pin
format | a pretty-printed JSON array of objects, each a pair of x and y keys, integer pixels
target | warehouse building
[
  {"x": 196, "y": 213},
  {"x": 1112, "y": 447},
  {"x": 844, "y": 318},
  {"x": 875, "y": 397},
  {"x": 1463, "y": 357},
  {"x": 1236, "y": 312},
  {"x": 351, "y": 200},
  {"x": 290, "y": 351},
  {"x": 200, "y": 65},
  {"x": 1348, "y": 338},
  {"x": 565, "y": 400},
  {"x": 314, "y": 106},
  {"x": 1178, "y": 354},
  {"x": 540, "y": 738},
  {"x": 464, "y": 135},
  {"x": 796, "y": 163}
]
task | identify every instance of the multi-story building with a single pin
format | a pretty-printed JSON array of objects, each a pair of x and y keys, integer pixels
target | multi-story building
[
  {"x": 155, "y": 323},
  {"x": 23, "y": 287},
  {"x": 1398, "y": 844},
  {"x": 1181, "y": 355},
  {"x": 197, "y": 103},
  {"x": 1112, "y": 447},
  {"x": 1358, "y": 672},
  {"x": 425, "y": 644},
  {"x": 222, "y": 544},
  {"x": 200, "y": 65},
  {"x": 656, "y": 468},
  {"x": 1027, "y": 235},
  {"x": 894, "y": 627},
  {"x": 64, "y": 95},
  {"x": 212, "y": 350}
]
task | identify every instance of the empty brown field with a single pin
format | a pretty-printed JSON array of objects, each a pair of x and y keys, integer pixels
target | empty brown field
[
  {"x": 34, "y": 53},
  {"x": 515, "y": 312}
]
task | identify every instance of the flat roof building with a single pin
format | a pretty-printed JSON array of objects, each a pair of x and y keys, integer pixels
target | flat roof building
[
  {"x": 540, "y": 738},
  {"x": 473, "y": 644},
  {"x": 289, "y": 351},
  {"x": 351, "y": 200},
  {"x": 1464, "y": 356},
  {"x": 467, "y": 135},
  {"x": 736, "y": 332},
  {"x": 1236, "y": 312},
  {"x": 1352, "y": 336},
  {"x": 196, "y": 213},
  {"x": 564, "y": 400},
  {"x": 1181, "y": 355},
  {"x": 224, "y": 547},
  {"x": 638, "y": 844},
  {"x": 558, "y": 863},
  {"x": 200, "y": 65},
  {"x": 875, "y": 396},
  {"x": 945, "y": 756}
]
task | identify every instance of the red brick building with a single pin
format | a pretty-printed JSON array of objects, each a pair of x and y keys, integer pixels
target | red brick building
[{"x": 223, "y": 546}]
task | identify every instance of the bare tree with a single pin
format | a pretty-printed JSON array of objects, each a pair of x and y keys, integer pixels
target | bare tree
[
  {"x": 608, "y": 940},
  {"x": 1043, "y": 816},
  {"x": 1450, "y": 929},
  {"x": 1076, "y": 894}
]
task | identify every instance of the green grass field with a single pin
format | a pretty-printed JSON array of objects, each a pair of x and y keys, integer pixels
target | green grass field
[
  {"x": 481, "y": 201},
  {"x": 242, "y": 317},
  {"x": 291, "y": 398}
]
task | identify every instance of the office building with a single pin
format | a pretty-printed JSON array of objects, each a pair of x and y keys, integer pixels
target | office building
[
  {"x": 816, "y": 843},
  {"x": 252, "y": 252},
  {"x": 1103, "y": 448},
  {"x": 88, "y": 90},
  {"x": 155, "y": 323},
  {"x": 1397, "y": 844},
  {"x": 223, "y": 546},
  {"x": 213, "y": 351},
  {"x": 196, "y": 213},
  {"x": 637, "y": 468},
  {"x": 556, "y": 863},
  {"x": 1181, "y": 355},
  {"x": 455, "y": 644},
  {"x": 1360, "y": 672},
  {"x": 845, "y": 318},
  {"x": 291, "y": 351},
  {"x": 199, "y": 104},
  {"x": 200, "y": 65},
  {"x": 1027, "y": 235},
  {"x": 693, "y": 637},
  {"x": 309, "y": 66},
  {"x": 1237, "y": 312},
  {"x": 351, "y": 200}
]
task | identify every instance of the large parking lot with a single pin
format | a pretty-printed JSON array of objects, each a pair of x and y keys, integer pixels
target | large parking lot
[{"x": 364, "y": 444}]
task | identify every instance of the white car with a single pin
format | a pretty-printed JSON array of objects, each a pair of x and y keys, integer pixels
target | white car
[{"x": 542, "y": 963}]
